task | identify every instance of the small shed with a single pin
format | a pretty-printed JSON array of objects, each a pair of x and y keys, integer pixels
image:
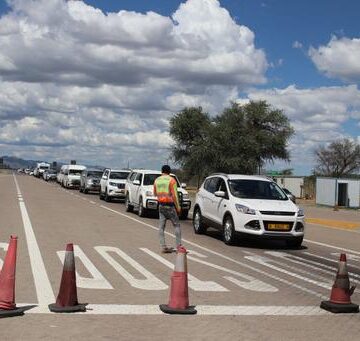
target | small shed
[
  {"x": 295, "y": 184},
  {"x": 338, "y": 192}
]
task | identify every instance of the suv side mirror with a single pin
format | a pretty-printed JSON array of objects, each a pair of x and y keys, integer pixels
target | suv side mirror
[
  {"x": 220, "y": 194},
  {"x": 183, "y": 185},
  {"x": 136, "y": 182}
]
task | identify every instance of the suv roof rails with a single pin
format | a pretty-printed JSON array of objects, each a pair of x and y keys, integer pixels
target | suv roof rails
[{"x": 224, "y": 174}]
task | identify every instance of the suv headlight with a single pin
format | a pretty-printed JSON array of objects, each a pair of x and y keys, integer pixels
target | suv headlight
[
  {"x": 149, "y": 193},
  {"x": 244, "y": 209},
  {"x": 300, "y": 212},
  {"x": 113, "y": 184}
]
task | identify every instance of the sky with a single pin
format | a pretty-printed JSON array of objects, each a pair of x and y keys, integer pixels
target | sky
[{"x": 97, "y": 81}]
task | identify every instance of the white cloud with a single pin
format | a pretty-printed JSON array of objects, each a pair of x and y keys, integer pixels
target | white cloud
[
  {"x": 74, "y": 80},
  {"x": 340, "y": 58},
  {"x": 317, "y": 115},
  {"x": 297, "y": 45}
]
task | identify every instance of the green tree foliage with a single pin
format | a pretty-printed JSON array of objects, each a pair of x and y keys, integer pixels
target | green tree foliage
[
  {"x": 239, "y": 140},
  {"x": 340, "y": 158}
]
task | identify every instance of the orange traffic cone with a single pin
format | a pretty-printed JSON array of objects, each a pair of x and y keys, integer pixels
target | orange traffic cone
[
  {"x": 67, "y": 301},
  {"x": 7, "y": 283},
  {"x": 340, "y": 293},
  {"x": 179, "y": 293}
]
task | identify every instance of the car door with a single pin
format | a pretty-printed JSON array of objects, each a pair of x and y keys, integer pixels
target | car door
[
  {"x": 103, "y": 180},
  {"x": 131, "y": 187},
  {"x": 137, "y": 188},
  {"x": 218, "y": 204},
  {"x": 210, "y": 187}
]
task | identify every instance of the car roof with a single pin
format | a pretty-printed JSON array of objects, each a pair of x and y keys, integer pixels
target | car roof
[
  {"x": 147, "y": 171},
  {"x": 118, "y": 170},
  {"x": 241, "y": 177}
]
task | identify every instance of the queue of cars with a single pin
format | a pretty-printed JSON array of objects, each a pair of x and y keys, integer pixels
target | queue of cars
[{"x": 237, "y": 205}]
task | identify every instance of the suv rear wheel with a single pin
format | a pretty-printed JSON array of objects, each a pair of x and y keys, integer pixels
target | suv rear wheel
[
  {"x": 128, "y": 206},
  {"x": 198, "y": 224},
  {"x": 228, "y": 231}
]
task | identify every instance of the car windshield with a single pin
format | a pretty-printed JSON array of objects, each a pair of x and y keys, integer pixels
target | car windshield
[
  {"x": 176, "y": 179},
  {"x": 149, "y": 179},
  {"x": 95, "y": 174},
  {"x": 75, "y": 171},
  {"x": 286, "y": 191},
  {"x": 256, "y": 189},
  {"x": 51, "y": 172},
  {"x": 118, "y": 175},
  {"x": 44, "y": 167}
]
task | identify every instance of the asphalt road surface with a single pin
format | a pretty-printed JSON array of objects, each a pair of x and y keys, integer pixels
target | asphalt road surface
[{"x": 250, "y": 291}]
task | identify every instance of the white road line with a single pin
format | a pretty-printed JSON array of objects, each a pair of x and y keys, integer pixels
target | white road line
[
  {"x": 264, "y": 273},
  {"x": 331, "y": 246},
  {"x": 43, "y": 287},
  {"x": 202, "y": 310}
]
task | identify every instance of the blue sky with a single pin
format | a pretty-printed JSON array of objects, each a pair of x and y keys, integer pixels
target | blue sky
[{"x": 87, "y": 67}]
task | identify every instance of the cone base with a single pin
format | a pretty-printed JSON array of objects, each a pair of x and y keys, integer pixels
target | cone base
[
  {"x": 339, "y": 308},
  {"x": 12, "y": 312},
  {"x": 168, "y": 310},
  {"x": 71, "y": 309}
]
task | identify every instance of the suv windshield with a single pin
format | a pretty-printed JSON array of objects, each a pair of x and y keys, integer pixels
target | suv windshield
[
  {"x": 44, "y": 167},
  {"x": 95, "y": 174},
  {"x": 149, "y": 179},
  {"x": 118, "y": 175},
  {"x": 256, "y": 189},
  {"x": 75, "y": 172}
]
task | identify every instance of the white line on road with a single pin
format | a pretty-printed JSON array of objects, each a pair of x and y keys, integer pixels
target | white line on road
[
  {"x": 202, "y": 310},
  {"x": 43, "y": 287},
  {"x": 331, "y": 246}
]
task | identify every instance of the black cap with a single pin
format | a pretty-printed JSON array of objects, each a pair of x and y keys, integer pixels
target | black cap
[{"x": 166, "y": 169}]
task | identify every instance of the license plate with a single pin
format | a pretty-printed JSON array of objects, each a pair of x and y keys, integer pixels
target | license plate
[{"x": 278, "y": 226}]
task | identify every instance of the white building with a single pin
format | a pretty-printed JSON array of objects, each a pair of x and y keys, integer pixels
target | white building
[
  {"x": 338, "y": 192},
  {"x": 295, "y": 184}
]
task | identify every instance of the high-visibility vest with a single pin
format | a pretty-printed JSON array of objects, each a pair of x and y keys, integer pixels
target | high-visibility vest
[{"x": 165, "y": 188}]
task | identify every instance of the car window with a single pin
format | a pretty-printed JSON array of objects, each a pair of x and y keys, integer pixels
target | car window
[
  {"x": 132, "y": 176},
  {"x": 149, "y": 179},
  {"x": 95, "y": 174},
  {"x": 222, "y": 185},
  {"x": 256, "y": 189},
  {"x": 106, "y": 173},
  {"x": 212, "y": 184},
  {"x": 119, "y": 175}
]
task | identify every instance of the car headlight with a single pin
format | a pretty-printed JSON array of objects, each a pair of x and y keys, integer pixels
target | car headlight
[
  {"x": 113, "y": 184},
  {"x": 244, "y": 209},
  {"x": 300, "y": 212},
  {"x": 149, "y": 193},
  {"x": 186, "y": 196}
]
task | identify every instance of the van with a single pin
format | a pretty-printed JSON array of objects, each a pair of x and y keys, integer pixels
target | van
[
  {"x": 71, "y": 177},
  {"x": 40, "y": 168}
]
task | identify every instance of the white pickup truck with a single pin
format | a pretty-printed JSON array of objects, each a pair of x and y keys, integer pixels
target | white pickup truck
[{"x": 40, "y": 168}]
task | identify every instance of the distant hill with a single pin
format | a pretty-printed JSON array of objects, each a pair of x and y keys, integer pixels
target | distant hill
[{"x": 15, "y": 163}]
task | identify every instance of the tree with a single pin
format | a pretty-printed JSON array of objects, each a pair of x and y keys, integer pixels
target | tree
[
  {"x": 340, "y": 158},
  {"x": 190, "y": 130},
  {"x": 239, "y": 140},
  {"x": 249, "y": 135}
]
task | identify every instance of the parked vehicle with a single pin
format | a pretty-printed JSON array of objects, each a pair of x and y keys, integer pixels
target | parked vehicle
[
  {"x": 90, "y": 180},
  {"x": 290, "y": 195},
  {"x": 241, "y": 205},
  {"x": 72, "y": 175},
  {"x": 112, "y": 184},
  {"x": 140, "y": 196},
  {"x": 49, "y": 175},
  {"x": 40, "y": 168},
  {"x": 60, "y": 175}
]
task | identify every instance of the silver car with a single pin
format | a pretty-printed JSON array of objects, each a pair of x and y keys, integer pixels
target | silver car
[{"x": 90, "y": 180}]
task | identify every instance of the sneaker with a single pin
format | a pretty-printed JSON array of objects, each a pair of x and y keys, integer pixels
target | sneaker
[{"x": 166, "y": 249}]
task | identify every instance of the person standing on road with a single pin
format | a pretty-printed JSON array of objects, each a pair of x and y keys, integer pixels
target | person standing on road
[{"x": 165, "y": 189}]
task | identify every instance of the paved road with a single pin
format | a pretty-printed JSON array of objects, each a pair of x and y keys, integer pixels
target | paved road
[{"x": 251, "y": 291}]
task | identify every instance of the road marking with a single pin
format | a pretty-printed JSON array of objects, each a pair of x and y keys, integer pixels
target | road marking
[
  {"x": 96, "y": 281},
  {"x": 149, "y": 283},
  {"x": 264, "y": 273},
  {"x": 194, "y": 283},
  {"x": 3, "y": 246},
  {"x": 202, "y": 310},
  {"x": 332, "y": 246},
  {"x": 346, "y": 225},
  {"x": 43, "y": 287}
]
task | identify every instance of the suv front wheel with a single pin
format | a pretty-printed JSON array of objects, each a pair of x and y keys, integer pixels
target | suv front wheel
[
  {"x": 198, "y": 224},
  {"x": 228, "y": 231},
  {"x": 128, "y": 206},
  {"x": 142, "y": 209}
]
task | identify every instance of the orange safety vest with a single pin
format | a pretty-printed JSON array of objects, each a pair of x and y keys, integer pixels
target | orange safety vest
[{"x": 165, "y": 188}]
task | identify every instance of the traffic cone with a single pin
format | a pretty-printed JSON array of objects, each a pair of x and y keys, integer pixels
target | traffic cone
[
  {"x": 67, "y": 301},
  {"x": 340, "y": 293},
  {"x": 7, "y": 282},
  {"x": 179, "y": 293}
]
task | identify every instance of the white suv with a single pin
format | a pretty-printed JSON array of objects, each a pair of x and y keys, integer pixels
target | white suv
[
  {"x": 112, "y": 184},
  {"x": 139, "y": 193},
  {"x": 252, "y": 205}
]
